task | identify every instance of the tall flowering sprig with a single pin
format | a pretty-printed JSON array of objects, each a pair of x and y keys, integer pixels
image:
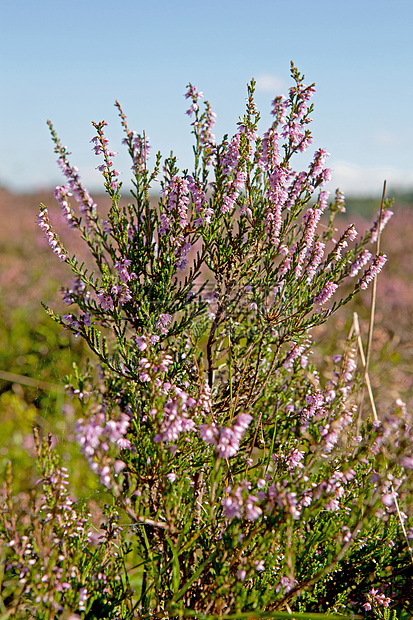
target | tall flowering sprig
[
  {"x": 139, "y": 150},
  {"x": 299, "y": 115},
  {"x": 110, "y": 174},
  {"x": 204, "y": 148}
]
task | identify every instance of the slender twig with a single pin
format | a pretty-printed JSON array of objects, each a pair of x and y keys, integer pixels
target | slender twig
[{"x": 374, "y": 285}]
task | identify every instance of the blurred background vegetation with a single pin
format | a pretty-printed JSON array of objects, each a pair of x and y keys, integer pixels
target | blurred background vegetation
[{"x": 36, "y": 354}]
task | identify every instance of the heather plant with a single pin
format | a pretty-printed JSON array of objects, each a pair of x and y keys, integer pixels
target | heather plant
[{"x": 242, "y": 483}]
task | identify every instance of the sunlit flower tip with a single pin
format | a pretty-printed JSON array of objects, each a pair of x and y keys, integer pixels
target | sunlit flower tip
[
  {"x": 171, "y": 477},
  {"x": 241, "y": 574}
]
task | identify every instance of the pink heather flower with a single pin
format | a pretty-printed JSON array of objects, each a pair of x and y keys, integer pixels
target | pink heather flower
[
  {"x": 376, "y": 266},
  {"x": 226, "y": 439},
  {"x": 101, "y": 147},
  {"x": 231, "y": 157},
  {"x": 176, "y": 420},
  {"x": 177, "y": 194},
  {"x": 141, "y": 343},
  {"x": 241, "y": 574},
  {"x": 52, "y": 238},
  {"x": 209, "y": 433},
  {"x": 279, "y": 109},
  {"x": 162, "y": 322},
  {"x": 295, "y": 352},
  {"x": 298, "y": 185},
  {"x": 232, "y": 507},
  {"x": 374, "y": 230},
  {"x": 139, "y": 149},
  {"x": 270, "y": 152},
  {"x": 122, "y": 268},
  {"x": 80, "y": 193},
  {"x": 316, "y": 260},
  {"x": 252, "y": 512},
  {"x": 259, "y": 565},
  {"x": 202, "y": 209},
  {"x": 317, "y": 165},
  {"x": 407, "y": 462},
  {"x": 61, "y": 194},
  {"x": 326, "y": 294},
  {"x": 360, "y": 263}
]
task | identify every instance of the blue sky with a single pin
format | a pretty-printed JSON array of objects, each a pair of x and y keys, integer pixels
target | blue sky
[{"x": 68, "y": 60}]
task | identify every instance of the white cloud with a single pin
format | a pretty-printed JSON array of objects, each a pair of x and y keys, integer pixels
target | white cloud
[
  {"x": 270, "y": 84},
  {"x": 353, "y": 179}
]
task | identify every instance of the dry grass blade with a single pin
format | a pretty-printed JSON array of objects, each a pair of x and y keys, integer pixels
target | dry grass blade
[{"x": 365, "y": 358}]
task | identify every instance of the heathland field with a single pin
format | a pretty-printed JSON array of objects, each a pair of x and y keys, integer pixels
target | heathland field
[{"x": 36, "y": 354}]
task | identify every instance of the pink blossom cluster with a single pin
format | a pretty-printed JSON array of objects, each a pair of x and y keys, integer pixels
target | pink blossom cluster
[
  {"x": 238, "y": 503},
  {"x": 292, "y": 460},
  {"x": 178, "y": 199},
  {"x": 78, "y": 290},
  {"x": 140, "y": 150},
  {"x": 194, "y": 94},
  {"x": 282, "y": 497},
  {"x": 298, "y": 185},
  {"x": 96, "y": 435},
  {"x": 369, "y": 274},
  {"x": 316, "y": 259},
  {"x": 101, "y": 147},
  {"x": 62, "y": 193},
  {"x": 270, "y": 150},
  {"x": 80, "y": 193},
  {"x": 59, "y": 521},
  {"x": 203, "y": 123},
  {"x": 340, "y": 384},
  {"x": 207, "y": 138},
  {"x": 310, "y": 220},
  {"x": 202, "y": 209},
  {"x": 122, "y": 268},
  {"x": 374, "y": 230},
  {"x": 359, "y": 263},
  {"x": 297, "y": 351},
  {"x": 176, "y": 416},
  {"x": 294, "y": 127},
  {"x": 78, "y": 322},
  {"x": 150, "y": 369},
  {"x": 315, "y": 406},
  {"x": 110, "y": 297},
  {"x": 164, "y": 319},
  {"x": 349, "y": 234},
  {"x": 374, "y": 599},
  {"x": 277, "y": 196},
  {"x": 233, "y": 171},
  {"x": 226, "y": 439},
  {"x": 52, "y": 238},
  {"x": 326, "y": 293},
  {"x": 318, "y": 174},
  {"x": 177, "y": 195},
  {"x": 279, "y": 109}
]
